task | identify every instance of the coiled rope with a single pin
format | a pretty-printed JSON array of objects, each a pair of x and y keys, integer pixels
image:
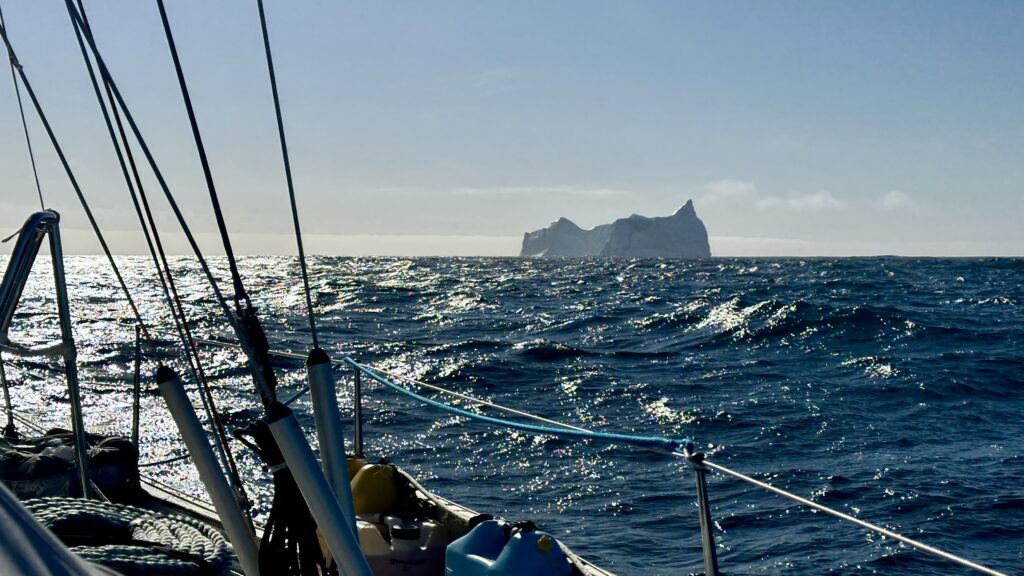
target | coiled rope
[{"x": 134, "y": 541}]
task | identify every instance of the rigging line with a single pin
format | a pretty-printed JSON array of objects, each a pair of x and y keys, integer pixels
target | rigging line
[
  {"x": 158, "y": 174},
  {"x": 74, "y": 183},
  {"x": 236, "y": 278},
  {"x": 723, "y": 469},
  {"x": 643, "y": 442},
  {"x": 247, "y": 325},
  {"x": 611, "y": 437},
  {"x": 873, "y": 527},
  {"x": 128, "y": 182},
  {"x": 288, "y": 177},
  {"x": 195, "y": 364},
  {"x": 117, "y": 149},
  {"x": 24, "y": 124}
]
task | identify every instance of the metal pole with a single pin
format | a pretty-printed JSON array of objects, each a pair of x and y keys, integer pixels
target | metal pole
[
  {"x": 10, "y": 431},
  {"x": 137, "y": 386},
  {"x": 70, "y": 362},
  {"x": 235, "y": 523},
  {"x": 707, "y": 535},
  {"x": 357, "y": 409},
  {"x": 323, "y": 395}
]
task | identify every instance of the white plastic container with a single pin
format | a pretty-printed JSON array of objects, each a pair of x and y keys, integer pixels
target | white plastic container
[{"x": 416, "y": 548}]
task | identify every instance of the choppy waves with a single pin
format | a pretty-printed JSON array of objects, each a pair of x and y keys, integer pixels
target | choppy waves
[{"x": 890, "y": 388}]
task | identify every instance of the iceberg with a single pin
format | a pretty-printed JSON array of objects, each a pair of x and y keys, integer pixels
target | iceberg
[{"x": 681, "y": 235}]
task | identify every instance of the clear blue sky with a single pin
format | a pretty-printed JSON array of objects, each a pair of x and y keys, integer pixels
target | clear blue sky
[{"x": 453, "y": 127}]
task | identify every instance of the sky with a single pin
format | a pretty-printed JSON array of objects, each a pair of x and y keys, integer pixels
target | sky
[{"x": 451, "y": 128}]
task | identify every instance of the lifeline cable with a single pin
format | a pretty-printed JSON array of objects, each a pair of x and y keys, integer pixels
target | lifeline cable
[
  {"x": 24, "y": 124},
  {"x": 184, "y": 332},
  {"x": 614, "y": 438},
  {"x": 675, "y": 453},
  {"x": 873, "y": 527},
  {"x": 578, "y": 432},
  {"x": 288, "y": 177}
]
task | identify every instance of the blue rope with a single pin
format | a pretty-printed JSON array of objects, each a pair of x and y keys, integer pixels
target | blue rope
[{"x": 612, "y": 438}]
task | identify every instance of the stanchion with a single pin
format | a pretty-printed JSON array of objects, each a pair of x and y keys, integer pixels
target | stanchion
[
  {"x": 357, "y": 412},
  {"x": 707, "y": 536}
]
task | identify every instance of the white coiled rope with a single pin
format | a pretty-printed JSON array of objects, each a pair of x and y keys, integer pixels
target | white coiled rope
[{"x": 138, "y": 541}]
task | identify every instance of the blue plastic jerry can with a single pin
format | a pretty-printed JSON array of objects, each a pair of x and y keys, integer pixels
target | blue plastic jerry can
[{"x": 486, "y": 551}]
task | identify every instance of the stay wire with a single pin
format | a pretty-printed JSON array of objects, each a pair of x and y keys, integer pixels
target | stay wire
[
  {"x": 258, "y": 364},
  {"x": 247, "y": 325},
  {"x": 21, "y": 108},
  {"x": 177, "y": 309},
  {"x": 158, "y": 174},
  {"x": 120, "y": 156},
  {"x": 74, "y": 183},
  {"x": 288, "y": 177},
  {"x": 236, "y": 278}
]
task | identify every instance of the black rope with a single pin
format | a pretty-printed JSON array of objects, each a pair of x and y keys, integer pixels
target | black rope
[
  {"x": 24, "y": 124},
  {"x": 288, "y": 177},
  {"x": 74, "y": 182},
  {"x": 236, "y": 278},
  {"x": 168, "y": 285},
  {"x": 290, "y": 545},
  {"x": 137, "y": 388}
]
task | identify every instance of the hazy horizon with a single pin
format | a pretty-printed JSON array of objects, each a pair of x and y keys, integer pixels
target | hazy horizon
[
  {"x": 798, "y": 128},
  {"x": 127, "y": 243}
]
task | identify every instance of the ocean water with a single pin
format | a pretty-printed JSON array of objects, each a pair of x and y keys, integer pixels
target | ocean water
[{"x": 889, "y": 388}]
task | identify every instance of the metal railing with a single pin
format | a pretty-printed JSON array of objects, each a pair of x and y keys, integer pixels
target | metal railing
[
  {"x": 30, "y": 238},
  {"x": 696, "y": 460},
  {"x": 700, "y": 466}
]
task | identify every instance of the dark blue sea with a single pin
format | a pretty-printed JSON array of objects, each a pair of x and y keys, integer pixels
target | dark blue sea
[{"x": 889, "y": 388}]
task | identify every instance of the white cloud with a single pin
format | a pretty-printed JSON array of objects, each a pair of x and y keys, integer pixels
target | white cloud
[
  {"x": 540, "y": 190},
  {"x": 721, "y": 190},
  {"x": 736, "y": 191},
  {"x": 809, "y": 202},
  {"x": 896, "y": 200}
]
